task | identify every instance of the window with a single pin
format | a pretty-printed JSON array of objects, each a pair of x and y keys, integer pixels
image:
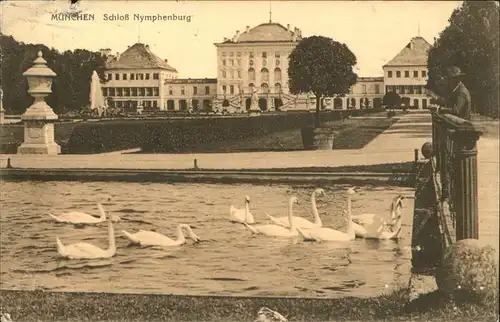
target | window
[
  {"x": 277, "y": 74},
  {"x": 232, "y": 74},
  {"x": 239, "y": 74},
  {"x": 398, "y": 74},
  {"x": 223, "y": 54},
  {"x": 207, "y": 90},
  {"x": 264, "y": 54},
  {"x": 117, "y": 76},
  {"x": 133, "y": 91},
  {"x": 224, "y": 88},
  {"x": 156, "y": 76},
  {"x": 147, "y": 76},
  {"x": 264, "y": 74},
  {"x": 112, "y": 92},
  {"x": 277, "y": 62},
  {"x": 251, "y": 74},
  {"x": 264, "y": 62},
  {"x": 251, "y": 62},
  {"x": 232, "y": 62},
  {"x": 250, "y": 54},
  {"x": 277, "y": 54},
  {"x": 104, "y": 91},
  {"x": 110, "y": 76},
  {"x": 238, "y": 54},
  {"x": 377, "y": 88},
  {"x": 224, "y": 74},
  {"x": 231, "y": 54},
  {"x": 415, "y": 73},
  {"x": 170, "y": 90},
  {"x": 195, "y": 90},
  {"x": 407, "y": 73},
  {"x": 231, "y": 89},
  {"x": 119, "y": 92},
  {"x": 124, "y": 76},
  {"x": 424, "y": 73},
  {"x": 126, "y": 91},
  {"x": 389, "y": 74},
  {"x": 132, "y": 76},
  {"x": 239, "y": 62},
  {"x": 363, "y": 87},
  {"x": 223, "y": 62},
  {"x": 155, "y": 104},
  {"x": 183, "y": 91}
]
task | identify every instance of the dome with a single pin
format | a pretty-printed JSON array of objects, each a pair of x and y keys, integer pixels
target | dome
[{"x": 267, "y": 32}]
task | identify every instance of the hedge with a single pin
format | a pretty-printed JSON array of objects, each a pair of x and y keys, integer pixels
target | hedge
[{"x": 154, "y": 136}]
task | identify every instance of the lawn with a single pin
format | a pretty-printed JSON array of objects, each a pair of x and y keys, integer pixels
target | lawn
[
  {"x": 352, "y": 133},
  {"x": 44, "y": 306}
]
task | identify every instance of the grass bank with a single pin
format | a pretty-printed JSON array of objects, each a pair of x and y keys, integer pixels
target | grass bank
[
  {"x": 352, "y": 133},
  {"x": 53, "y": 306}
]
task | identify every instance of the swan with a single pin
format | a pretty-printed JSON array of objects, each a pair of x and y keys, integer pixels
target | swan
[
  {"x": 88, "y": 251},
  {"x": 151, "y": 238},
  {"x": 276, "y": 230},
  {"x": 76, "y": 217},
  {"x": 375, "y": 222},
  {"x": 299, "y": 221},
  {"x": 241, "y": 215},
  {"x": 329, "y": 234}
]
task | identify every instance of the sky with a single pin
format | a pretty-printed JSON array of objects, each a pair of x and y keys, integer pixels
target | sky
[{"x": 375, "y": 31}]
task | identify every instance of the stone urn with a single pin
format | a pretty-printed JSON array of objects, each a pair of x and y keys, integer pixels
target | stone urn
[
  {"x": 39, "y": 118},
  {"x": 317, "y": 138}
]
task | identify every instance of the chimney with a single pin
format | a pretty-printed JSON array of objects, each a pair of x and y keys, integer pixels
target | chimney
[
  {"x": 225, "y": 39},
  {"x": 288, "y": 27},
  {"x": 299, "y": 32},
  {"x": 294, "y": 35},
  {"x": 248, "y": 28},
  {"x": 412, "y": 44},
  {"x": 235, "y": 39},
  {"x": 166, "y": 60},
  {"x": 117, "y": 55},
  {"x": 147, "y": 47}
]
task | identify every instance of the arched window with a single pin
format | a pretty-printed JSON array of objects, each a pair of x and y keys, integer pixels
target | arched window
[
  {"x": 277, "y": 88},
  {"x": 264, "y": 74},
  {"x": 251, "y": 74},
  {"x": 277, "y": 74},
  {"x": 251, "y": 87},
  {"x": 264, "y": 88}
]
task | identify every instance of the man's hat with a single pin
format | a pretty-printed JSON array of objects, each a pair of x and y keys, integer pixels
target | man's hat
[{"x": 454, "y": 71}]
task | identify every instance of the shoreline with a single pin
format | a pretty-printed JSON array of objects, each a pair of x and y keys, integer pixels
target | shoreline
[{"x": 206, "y": 176}]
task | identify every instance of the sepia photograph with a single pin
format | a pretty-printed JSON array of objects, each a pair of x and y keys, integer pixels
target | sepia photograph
[{"x": 253, "y": 161}]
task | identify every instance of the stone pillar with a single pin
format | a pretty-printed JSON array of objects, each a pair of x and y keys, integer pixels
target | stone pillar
[
  {"x": 465, "y": 199},
  {"x": 39, "y": 117},
  {"x": 2, "y": 111}
]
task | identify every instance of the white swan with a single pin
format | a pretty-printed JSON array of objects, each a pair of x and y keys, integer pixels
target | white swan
[
  {"x": 151, "y": 238},
  {"x": 76, "y": 217},
  {"x": 276, "y": 230},
  {"x": 299, "y": 221},
  {"x": 372, "y": 223},
  {"x": 241, "y": 215},
  {"x": 329, "y": 234},
  {"x": 88, "y": 251}
]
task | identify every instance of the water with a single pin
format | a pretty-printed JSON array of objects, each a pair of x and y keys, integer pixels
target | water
[{"x": 229, "y": 260}]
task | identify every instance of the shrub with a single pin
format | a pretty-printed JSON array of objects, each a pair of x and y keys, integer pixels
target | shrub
[{"x": 174, "y": 135}]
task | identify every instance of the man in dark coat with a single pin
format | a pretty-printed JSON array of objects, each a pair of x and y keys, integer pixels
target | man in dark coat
[{"x": 457, "y": 101}]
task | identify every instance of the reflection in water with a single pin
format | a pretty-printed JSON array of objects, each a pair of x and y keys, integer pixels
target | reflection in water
[{"x": 229, "y": 260}]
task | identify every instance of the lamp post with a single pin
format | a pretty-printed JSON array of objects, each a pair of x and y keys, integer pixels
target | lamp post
[{"x": 39, "y": 117}]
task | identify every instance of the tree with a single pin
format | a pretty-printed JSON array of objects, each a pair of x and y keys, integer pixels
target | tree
[
  {"x": 321, "y": 66},
  {"x": 392, "y": 100},
  {"x": 471, "y": 42}
]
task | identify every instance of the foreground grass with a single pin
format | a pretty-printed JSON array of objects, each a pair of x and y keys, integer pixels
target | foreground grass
[
  {"x": 352, "y": 133},
  {"x": 48, "y": 306}
]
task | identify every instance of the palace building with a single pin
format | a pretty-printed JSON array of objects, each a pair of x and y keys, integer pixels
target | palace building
[{"x": 255, "y": 59}]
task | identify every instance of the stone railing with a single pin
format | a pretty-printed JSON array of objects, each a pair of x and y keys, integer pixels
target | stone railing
[{"x": 454, "y": 165}]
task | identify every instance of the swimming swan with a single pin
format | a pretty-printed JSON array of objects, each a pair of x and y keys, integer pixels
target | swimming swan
[
  {"x": 241, "y": 215},
  {"x": 76, "y": 217},
  {"x": 329, "y": 234},
  {"x": 276, "y": 230},
  {"x": 151, "y": 238},
  {"x": 375, "y": 223},
  {"x": 88, "y": 251},
  {"x": 299, "y": 221}
]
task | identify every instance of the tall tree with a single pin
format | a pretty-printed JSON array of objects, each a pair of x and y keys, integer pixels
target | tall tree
[
  {"x": 471, "y": 42},
  {"x": 321, "y": 66}
]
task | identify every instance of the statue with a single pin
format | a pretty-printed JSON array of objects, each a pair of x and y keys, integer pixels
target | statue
[{"x": 254, "y": 106}]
